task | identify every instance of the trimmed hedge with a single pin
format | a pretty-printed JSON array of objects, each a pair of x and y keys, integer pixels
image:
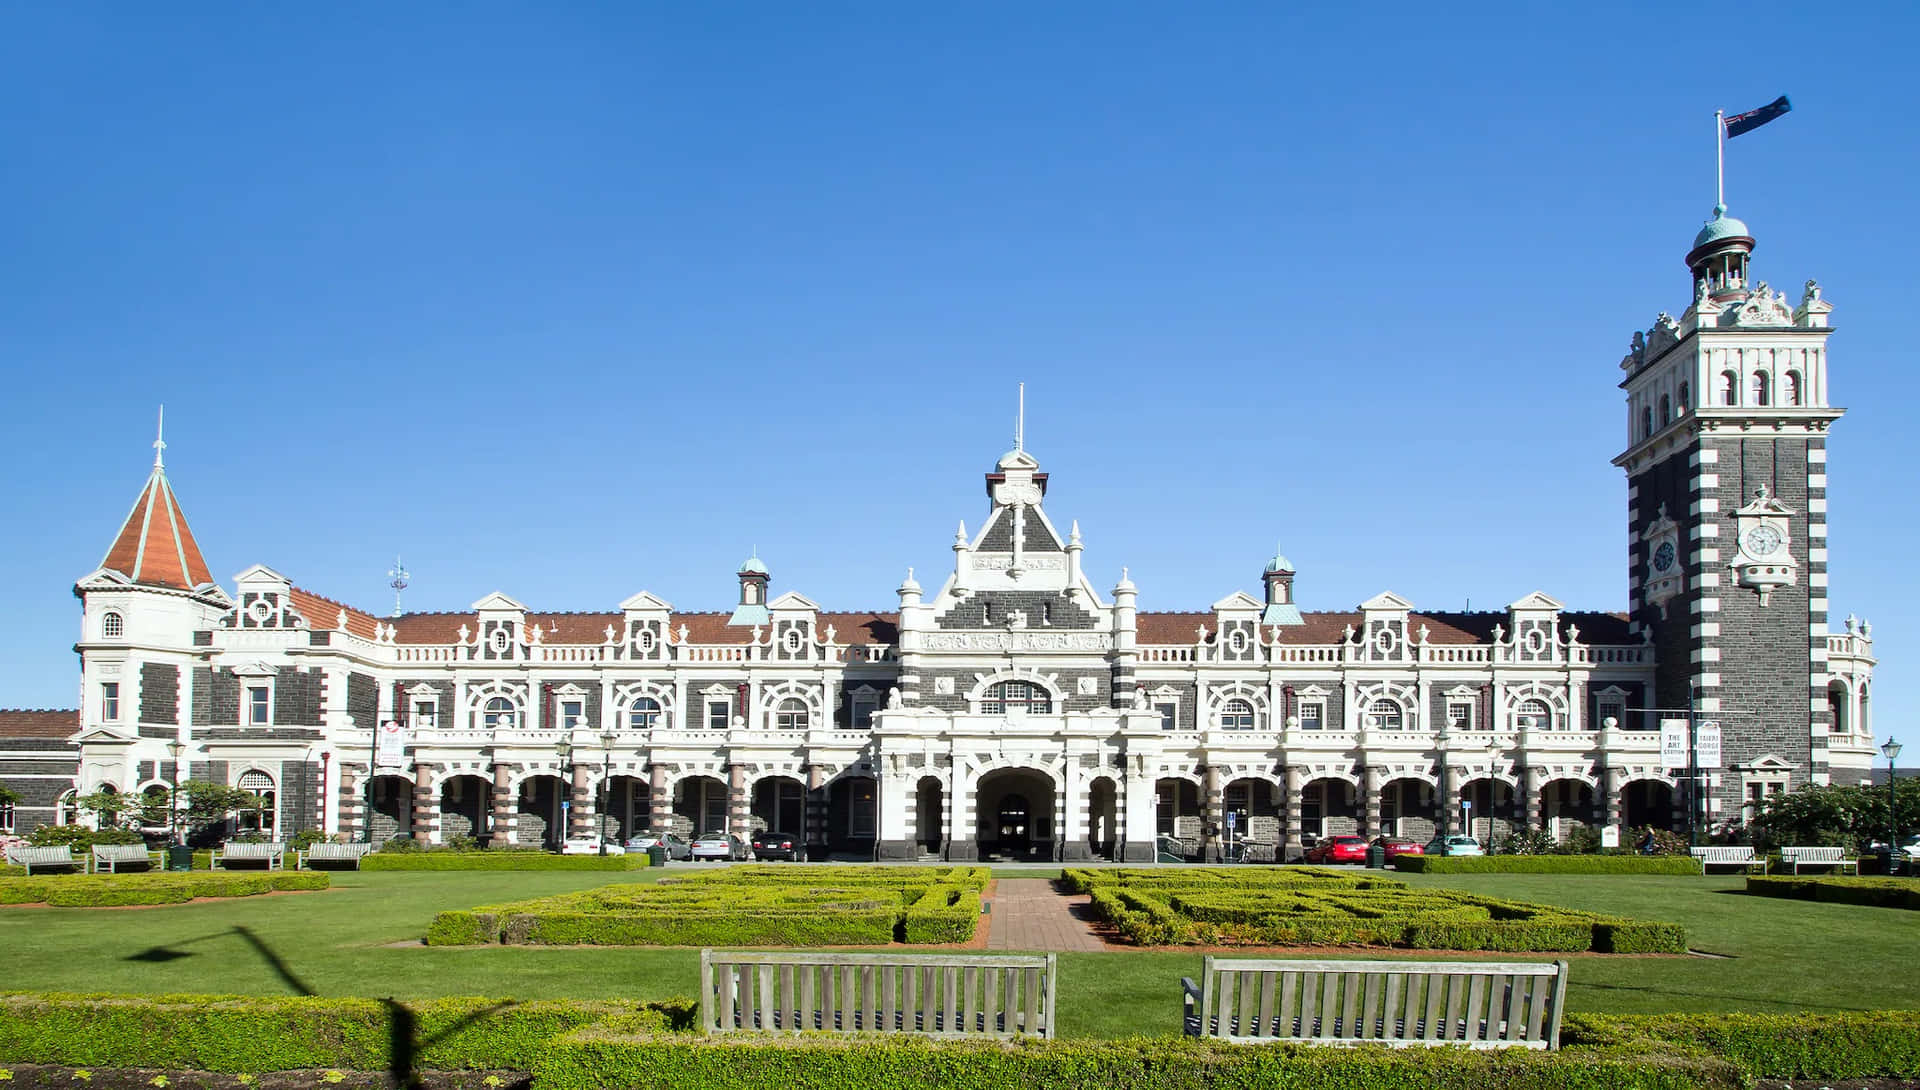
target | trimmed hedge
[
  {"x": 1855, "y": 1045},
  {"x": 1871, "y": 892},
  {"x": 1547, "y": 864},
  {"x": 598, "y": 1058},
  {"x": 258, "y": 1033},
  {"x": 387, "y": 861},
  {"x": 161, "y": 888}
]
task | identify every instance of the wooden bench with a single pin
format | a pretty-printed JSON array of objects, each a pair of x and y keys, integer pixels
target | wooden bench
[
  {"x": 268, "y": 854},
  {"x": 1728, "y": 857},
  {"x": 937, "y": 995},
  {"x": 1818, "y": 857},
  {"x": 59, "y": 856},
  {"x": 1397, "y": 1003},
  {"x": 111, "y": 857},
  {"x": 330, "y": 853}
]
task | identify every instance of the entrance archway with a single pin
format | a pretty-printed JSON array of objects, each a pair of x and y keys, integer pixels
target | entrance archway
[
  {"x": 627, "y": 801},
  {"x": 929, "y": 811},
  {"x": 466, "y": 807},
  {"x": 1648, "y": 803},
  {"x": 392, "y": 808},
  {"x": 779, "y": 804},
  {"x": 1014, "y": 808},
  {"x": 853, "y": 816},
  {"x": 1410, "y": 809},
  {"x": 537, "y": 810},
  {"x": 1103, "y": 819},
  {"x": 1567, "y": 806},
  {"x": 1492, "y": 810},
  {"x": 699, "y": 807},
  {"x": 1329, "y": 807},
  {"x": 1253, "y": 811}
]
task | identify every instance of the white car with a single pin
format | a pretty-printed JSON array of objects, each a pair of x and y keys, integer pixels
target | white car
[
  {"x": 586, "y": 845},
  {"x": 1454, "y": 845},
  {"x": 721, "y": 846}
]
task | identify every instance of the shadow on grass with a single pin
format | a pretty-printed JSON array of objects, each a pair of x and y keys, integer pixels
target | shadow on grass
[
  {"x": 404, "y": 1044},
  {"x": 1798, "y": 1004}
]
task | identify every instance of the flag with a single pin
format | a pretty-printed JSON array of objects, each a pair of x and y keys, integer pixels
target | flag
[{"x": 1753, "y": 119}]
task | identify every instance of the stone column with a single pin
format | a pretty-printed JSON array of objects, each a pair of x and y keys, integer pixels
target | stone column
[
  {"x": 1137, "y": 817},
  {"x": 353, "y": 801},
  {"x": 1370, "y": 802},
  {"x": 503, "y": 809},
  {"x": 1213, "y": 813},
  {"x": 1449, "y": 797},
  {"x": 961, "y": 845},
  {"x": 1293, "y": 819},
  {"x": 1530, "y": 782},
  {"x": 1613, "y": 787},
  {"x": 659, "y": 802},
  {"x": 580, "y": 800},
  {"x": 816, "y": 817},
  {"x": 426, "y": 815}
]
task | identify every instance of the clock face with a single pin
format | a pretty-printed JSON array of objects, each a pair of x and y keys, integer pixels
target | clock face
[
  {"x": 1762, "y": 540},
  {"x": 1663, "y": 556}
]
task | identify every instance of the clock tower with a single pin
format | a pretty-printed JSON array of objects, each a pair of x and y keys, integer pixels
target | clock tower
[{"x": 1726, "y": 463}]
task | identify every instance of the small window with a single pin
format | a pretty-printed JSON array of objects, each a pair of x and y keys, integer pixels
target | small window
[
  {"x": 1762, "y": 388},
  {"x": 573, "y": 714},
  {"x": 1384, "y": 715},
  {"x": 498, "y": 714},
  {"x": 719, "y": 714},
  {"x": 425, "y": 712},
  {"x": 259, "y": 705},
  {"x": 1236, "y": 715},
  {"x": 1614, "y": 710},
  {"x": 1793, "y": 390},
  {"x": 499, "y": 641},
  {"x": 863, "y": 707},
  {"x": 792, "y": 640},
  {"x": 110, "y": 701},
  {"x": 1646, "y": 421},
  {"x": 66, "y": 810},
  {"x": 644, "y": 640},
  {"x": 1460, "y": 714},
  {"x": 1666, "y": 410},
  {"x": 1729, "y": 388},
  {"x": 258, "y": 818},
  {"x": 1533, "y": 715},
  {"x": 1685, "y": 397},
  {"x": 790, "y": 715},
  {"x": 1016, "y": 697},
  {"x": 644, "y": 714},
  {"x": 1313, "y": 714},
  {"x": 1169, "y": 715},
  {"x": 111, "y": 626}
]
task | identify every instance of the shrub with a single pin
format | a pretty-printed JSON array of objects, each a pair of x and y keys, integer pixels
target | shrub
[
  {"x": 306, "y": 838},
  {"x": 1839, "y": 889},
  {"x": 119, "y": 890},
  {"x": 599, "y": 1058},
  {"x": 1546, "y": 864},
  {"x": 1527, "y": 840},
  {"x": 80, "y": 838},
  {"x": 1854, "y": 1045}
]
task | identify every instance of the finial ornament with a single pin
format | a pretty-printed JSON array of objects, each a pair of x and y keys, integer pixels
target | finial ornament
[
  {"x": 399, "y": 576},
  {"x": 1020, "y": 421},
  {"x": 160, "y": 439}
]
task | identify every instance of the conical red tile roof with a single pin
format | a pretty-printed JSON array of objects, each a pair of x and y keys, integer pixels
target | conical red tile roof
[{"x": 155, "y": 547}]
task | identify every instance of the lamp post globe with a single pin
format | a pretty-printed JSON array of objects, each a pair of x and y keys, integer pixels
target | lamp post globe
[{"x": 1891, "y": 750}]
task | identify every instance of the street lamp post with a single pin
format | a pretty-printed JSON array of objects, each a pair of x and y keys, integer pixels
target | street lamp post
[
  {"x": 600, "y": 797},
  {"x": 564, "y": 748},
  {"x": 175, "y": 749},
  {"x": 1891, "y": 749},
  {"x": 1493, "y": 755}
]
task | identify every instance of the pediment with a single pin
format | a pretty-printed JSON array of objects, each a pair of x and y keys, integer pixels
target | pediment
[
  {"x": 1314, "y": 691},
  {"x": 1537, "y": 601},
  {"x": 103, "y": 578},
  {"x": 260, "y": 573},
  {"x": 1386, "y": 601},
  {"x": 104, "y": 736},
  {"x": 1770, "y": 762},
  {"x": 645, "y": 602},
  {"x": 794, "y": 602},
  {"x": 498, "y": 603},
  {"x": 1463, "y": 691},
  {"x": 1238, "y": 601},
  {"x": 254, "y": 669}
]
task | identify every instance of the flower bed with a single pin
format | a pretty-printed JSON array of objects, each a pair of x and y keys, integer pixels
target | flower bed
[
  {"x": 1308, "y": 908},
  {"x": 120, "y": 890},
  {"x": 739, "y": 906}
]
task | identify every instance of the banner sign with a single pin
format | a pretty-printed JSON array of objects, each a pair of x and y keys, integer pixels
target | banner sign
[
  {"x": 1673, "y": 743},
  {"x": 1706, "y": 743},
  {"x": 390, "y": 744}
]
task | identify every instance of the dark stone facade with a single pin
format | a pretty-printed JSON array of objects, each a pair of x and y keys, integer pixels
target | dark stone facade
[
  {"x": 991, "y": 609},
  {"x": 296, "y": 697},
  {"x": 216, "y": 696},
  {"x": 159, "y": 693},
  {"x": 363, "y": 699}
]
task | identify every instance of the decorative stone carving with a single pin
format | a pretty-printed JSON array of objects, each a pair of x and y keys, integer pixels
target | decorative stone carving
[{"x": 1022, "y": 640}]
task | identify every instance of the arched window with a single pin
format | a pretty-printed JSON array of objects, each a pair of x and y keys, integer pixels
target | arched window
[
  {"x": 1646, "y": 421},
  {"x": 1236, "y": 715},
  {"x": 1685, "y": 393},
  {"x": 111, "y": 626},
  {"x": 1533, "y": 715},
  {"x": 1384, "y": 714},
  {"x": 153, "y": 805},
  {"x": 1016, "y": 696},
  {"x": 257, "y": 818},
  {"x": 1666, "y": 410},
  {"x": 499, "y": 714},
  {"x": 644, "y": 714},
  {"x": 1793, "y": 388},
  {"x": 1729, "y": 388},
  {"x": 790, "y": 715},
  {"x": 1762, "y": 388},
  {"x": 66, "y": 811}
]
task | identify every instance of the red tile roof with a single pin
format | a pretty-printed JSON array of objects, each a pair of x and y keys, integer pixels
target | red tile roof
[
  {"x": 323, "y": 612},
  {"x": 154, "y": 545},
  {"x": 39, "y": 723}
]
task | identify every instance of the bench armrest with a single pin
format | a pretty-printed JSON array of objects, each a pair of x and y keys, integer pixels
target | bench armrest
[{"x": 1190, "y": 988}]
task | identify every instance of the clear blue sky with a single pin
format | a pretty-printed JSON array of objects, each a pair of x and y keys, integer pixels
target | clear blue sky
[{"x": 574, "y": 300}]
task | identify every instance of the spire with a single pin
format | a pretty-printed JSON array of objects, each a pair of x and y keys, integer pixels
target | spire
[
  {"x": 154, "y": 545},
  {"x": 160, "y": 440},
  {"x": 1020, "y": 421}
]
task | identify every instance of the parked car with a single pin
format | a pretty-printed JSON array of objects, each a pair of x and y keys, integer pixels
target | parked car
[
  {"x": 769, "y": 844},
  {"x": 1398, "y": 846},
  {"x": 1338, "y": 849},
  {"x": 676, "y": 847},
  {"x": 724, "y": 846},
  {"x": 1457, "y": 844},
  {"x": 586, "y": 845}
]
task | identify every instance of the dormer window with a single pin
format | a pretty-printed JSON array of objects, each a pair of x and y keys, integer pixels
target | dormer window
[
  {"x": 863, "y": 707},
  {"x": 792, "y": 640},
  {"x": 111, "y": 626}
]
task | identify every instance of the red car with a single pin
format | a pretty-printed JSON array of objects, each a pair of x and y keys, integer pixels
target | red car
[
  {"x": 1338, "y": 849},
  {"x": 1397, "y": 846}
]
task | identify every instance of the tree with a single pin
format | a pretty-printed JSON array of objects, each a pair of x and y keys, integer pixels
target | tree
[
  {"x": 1851, "y": 816},
  {"x": 201, "y": 804},
  {"x": 8, "y": 794}
]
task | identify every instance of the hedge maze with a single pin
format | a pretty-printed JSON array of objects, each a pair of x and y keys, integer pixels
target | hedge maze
[
  {"x": 1307, "y": 907},
  {"x": 739, "y": 906},
  {"x": 167, "y": 888}
]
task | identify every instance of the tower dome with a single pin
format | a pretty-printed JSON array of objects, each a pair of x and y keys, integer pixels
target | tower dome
[{"x": 1719, "y": 256}]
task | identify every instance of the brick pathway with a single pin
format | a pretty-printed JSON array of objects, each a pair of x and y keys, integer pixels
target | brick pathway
[{"x": 1029, "y": 915}]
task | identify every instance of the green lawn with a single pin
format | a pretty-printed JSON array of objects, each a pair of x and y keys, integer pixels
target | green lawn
[{"x": 361, "y": 938}]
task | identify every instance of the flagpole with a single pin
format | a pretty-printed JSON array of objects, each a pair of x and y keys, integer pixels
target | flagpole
[{"x": 1719, "y": 158}]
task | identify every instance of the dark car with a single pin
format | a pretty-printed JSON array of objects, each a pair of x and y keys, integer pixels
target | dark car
[
  {"x": 769, "y": 844},
  {"x": 1338, "y": 849}
]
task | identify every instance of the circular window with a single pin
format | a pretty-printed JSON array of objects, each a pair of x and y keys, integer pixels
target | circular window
[
  {"x": 1237, "y": 641},
  {"x": 1384, "y": 640},
  {"x": 1536, "y": 641},
  {"x": 261, "y": 609},
  {"x": 499, "y": 639},
  {"x": 644, "y": 641},
  {"x": 793, "y": 639}
]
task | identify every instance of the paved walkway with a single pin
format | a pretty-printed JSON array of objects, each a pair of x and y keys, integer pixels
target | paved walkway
[{"x": 1029, "y": 915}]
